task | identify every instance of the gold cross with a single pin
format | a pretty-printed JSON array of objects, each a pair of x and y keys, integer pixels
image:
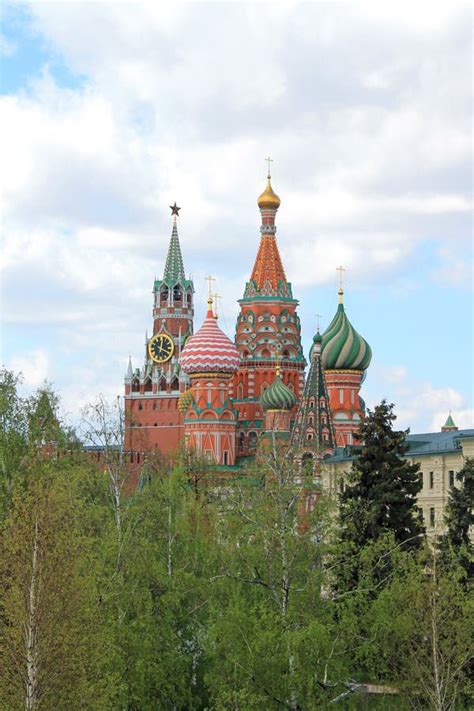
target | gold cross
[
  {"x": 210, "y": 279},
  {"x": 215, "y": 297},
  {"x": 341, "y": 275},
  {"x": 269, "y": 160},
  {"x": 318, "y": 316}
]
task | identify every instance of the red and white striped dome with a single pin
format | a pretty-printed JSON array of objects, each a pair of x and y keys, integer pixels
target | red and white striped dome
[{"x": 209, "y": 350}]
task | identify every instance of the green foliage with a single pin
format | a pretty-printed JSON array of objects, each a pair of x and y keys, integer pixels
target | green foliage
[
  {"x": 381, "y": 493},
  {"x": 460, "y": 519},
  {"x": 215, "y": 594}
]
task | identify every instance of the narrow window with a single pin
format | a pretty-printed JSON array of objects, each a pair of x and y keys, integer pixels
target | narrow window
[
  {"x": 341, "y": 396},
  {"x": 451, "y": 477},
  {"x": 226, "y": 458},
  {"x": 431, "y": 480},
  {"x": 432, "y": 518}
]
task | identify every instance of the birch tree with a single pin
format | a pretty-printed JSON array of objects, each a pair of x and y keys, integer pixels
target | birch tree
[{"x": 50, "y": 631}]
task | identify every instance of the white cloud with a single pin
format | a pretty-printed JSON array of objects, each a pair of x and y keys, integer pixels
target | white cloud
[
  {"x": 35, "y": 367},
  {"x": 419, "y": 405},
  {"x": 367, "y": 111}
]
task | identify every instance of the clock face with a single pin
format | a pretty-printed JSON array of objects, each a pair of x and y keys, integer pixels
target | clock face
[{"x": 161, "y": 348}]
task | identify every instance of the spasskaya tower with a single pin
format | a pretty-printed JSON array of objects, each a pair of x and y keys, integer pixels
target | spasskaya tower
[{"x": 152, "y": 418}]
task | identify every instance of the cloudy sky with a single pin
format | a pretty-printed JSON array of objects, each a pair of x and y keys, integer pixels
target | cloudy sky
[{"x": 111, "y": 111}]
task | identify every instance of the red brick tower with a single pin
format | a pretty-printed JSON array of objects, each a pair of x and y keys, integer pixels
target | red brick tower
[
  {"x": 345, "y": 356},
  {"x": 153, "y": 420},
  {"x": 268, "y": 328},
  {"x": 210, "y": 420}
]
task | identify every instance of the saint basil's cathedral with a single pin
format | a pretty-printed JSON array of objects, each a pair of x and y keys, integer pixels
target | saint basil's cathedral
[{"x": 222, "y": 397}]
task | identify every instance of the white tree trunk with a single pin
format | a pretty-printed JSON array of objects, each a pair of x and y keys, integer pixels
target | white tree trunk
[{"x": 31, "y": 629}]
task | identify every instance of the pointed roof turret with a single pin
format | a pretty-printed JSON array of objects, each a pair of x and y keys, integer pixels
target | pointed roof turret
[
  {"x": 174, "y": 266},
  {"x": 268, "y": 275},
  {"x": 449, "y": 425},
  {"x": 313, "y": 431},
  {"x": 129, "y": 369}
]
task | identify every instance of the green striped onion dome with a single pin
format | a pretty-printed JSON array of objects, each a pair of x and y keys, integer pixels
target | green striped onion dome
[
  {"x": 278, "y": 396},
  {"x": 342, "y": 347}
]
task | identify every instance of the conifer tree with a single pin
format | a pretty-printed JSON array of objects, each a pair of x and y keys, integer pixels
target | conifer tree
[
  {"x": 460, "y": 518},
  {"x": 380, "y": 497}
]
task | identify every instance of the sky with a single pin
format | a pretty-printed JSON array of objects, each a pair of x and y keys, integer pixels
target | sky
[{"x": 112, "y": 111}]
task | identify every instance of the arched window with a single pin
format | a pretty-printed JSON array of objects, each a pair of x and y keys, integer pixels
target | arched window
[
  {"x": 162, "y": 385},
  {"x": 140, "y": 406},
  {"x": 148, "y": 386},
  {"x": 241, "y": 439},
  {"x": 311, "y": 403},
  {"x": 175, "y": 383},
  {"x": 240, "y": 392},
  {"x": 189, "y": 298},
  {"x": 177, "y": 293},
  {"x": 311, "y": 420},
  {"x": 252, "y": 440},
  {"x": 265, "y": 353},
  {"x": 286, "y": 353},
  {"x": 164, "y": 293}
]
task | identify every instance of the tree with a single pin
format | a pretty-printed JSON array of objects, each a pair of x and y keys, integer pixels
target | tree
[
  {"x": 460, "y": 518},
  {"x": 422, "y": 626},
  {"x": 381, "y": 493},
  {"x": 45, "y": 426},
  {"x": 271, "y": 632},
  {"x": 13, "y": 434},
  {"x": 54, "y": 648}
]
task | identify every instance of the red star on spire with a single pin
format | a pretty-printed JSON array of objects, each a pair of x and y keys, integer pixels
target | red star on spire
[{"x": 175, "y": 209}]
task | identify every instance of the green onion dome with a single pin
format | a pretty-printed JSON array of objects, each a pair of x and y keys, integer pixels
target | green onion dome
[
  {"x": 278, "y": 396},
  {"x": 342, "y": 347}
]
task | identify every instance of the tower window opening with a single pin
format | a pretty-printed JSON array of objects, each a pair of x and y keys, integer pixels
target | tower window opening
[
  {"x": 140, "y": 406},
  {"x": 432, "y": 518},
  {"x": 226, "y": 458},
  {"x": 431, "y": 480},
  {"x": 135, "y": 386},
  {"x": 162, "y": 386},
  {"x": 451, "y": 477},
  {"x": 252, "y": 440},
  {"x": 164, "y": 294},
  {"x": 148, "y": 386},
  {"x": 175, "y": 384},
  {"x": 177, "y": 294}
]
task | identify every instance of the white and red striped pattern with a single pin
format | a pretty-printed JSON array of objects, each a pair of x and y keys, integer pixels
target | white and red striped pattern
[{"x": 209, "y": 350}]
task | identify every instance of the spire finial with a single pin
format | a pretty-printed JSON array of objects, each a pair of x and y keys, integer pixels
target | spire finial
[
  {"x": 216, "y": 296},
  {"x": 340, "y": 292},
  {"x": 209, "y": 280},
  {"x": 318, "y": 317},
  {"x": 268, "y": 161},
  {"x": 175, "y": 209}
]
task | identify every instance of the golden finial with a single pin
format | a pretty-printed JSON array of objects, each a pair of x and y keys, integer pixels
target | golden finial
[
  {"x": 278, "y": 360},
  {"x": 340, "y": 292},
  {"x": 215, "y": 297},
  {"x": 268, "y": 200}
]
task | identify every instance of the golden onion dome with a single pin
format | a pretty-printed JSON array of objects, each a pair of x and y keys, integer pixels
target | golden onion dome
[{"x": 268, "y": 200}]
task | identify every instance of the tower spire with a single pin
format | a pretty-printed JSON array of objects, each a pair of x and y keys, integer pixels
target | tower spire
[{"x": 174, "y": 266}]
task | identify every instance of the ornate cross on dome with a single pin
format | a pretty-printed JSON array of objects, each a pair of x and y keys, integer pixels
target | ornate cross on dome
[
  {"x": 216, "y": 296},
  {"x": 341, "y": 271},
  {"x": 268, "y": 161},
  {"x": 209, "y": 280},
  {"x": 318, "y": 316}
]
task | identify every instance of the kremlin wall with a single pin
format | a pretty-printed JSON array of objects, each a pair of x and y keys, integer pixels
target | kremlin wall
[{"x": 223, "y": 398}]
